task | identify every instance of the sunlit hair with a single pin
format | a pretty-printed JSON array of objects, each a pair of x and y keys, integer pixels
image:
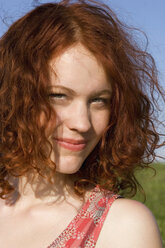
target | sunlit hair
[{"x": 25, "y": 52}]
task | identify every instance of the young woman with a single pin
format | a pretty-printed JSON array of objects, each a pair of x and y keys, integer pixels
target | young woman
[{"x": 76, "y": 106}]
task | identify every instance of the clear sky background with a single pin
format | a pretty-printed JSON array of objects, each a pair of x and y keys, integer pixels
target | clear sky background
[{"x": 148, "y": 15}]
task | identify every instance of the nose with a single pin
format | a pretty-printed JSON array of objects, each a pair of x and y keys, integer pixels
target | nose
[{"x": 79, "y": 118}]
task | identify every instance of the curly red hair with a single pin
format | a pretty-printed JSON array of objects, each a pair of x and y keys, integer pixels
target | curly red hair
[{"x": 25, "y": 51}]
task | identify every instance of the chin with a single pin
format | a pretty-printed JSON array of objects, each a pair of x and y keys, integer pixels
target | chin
[
  {"x": 68, "y": 171},
  {"x": 68, "y": 166}
]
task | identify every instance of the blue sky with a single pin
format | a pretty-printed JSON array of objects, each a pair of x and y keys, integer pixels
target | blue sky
[{"x": 148, "y": 15}]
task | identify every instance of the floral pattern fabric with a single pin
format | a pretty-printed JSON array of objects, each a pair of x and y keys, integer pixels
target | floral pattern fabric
[{"x": 83, "y": 231}]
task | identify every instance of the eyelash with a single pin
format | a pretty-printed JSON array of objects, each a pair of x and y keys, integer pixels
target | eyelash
[
  {"x": 100, "y": 100},
  {"x": 57, "y": 95}
]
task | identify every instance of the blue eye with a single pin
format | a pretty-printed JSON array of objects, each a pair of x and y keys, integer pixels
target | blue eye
[{"x": 100, "y": 100}]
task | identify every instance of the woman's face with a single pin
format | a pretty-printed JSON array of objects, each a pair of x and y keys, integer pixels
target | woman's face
[{"x": 80, "y": 95}]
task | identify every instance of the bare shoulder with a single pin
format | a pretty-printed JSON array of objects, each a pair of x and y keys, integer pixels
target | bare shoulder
[
  {"x": 130, "y": 223},
  {"x": 131, "y": 209}
]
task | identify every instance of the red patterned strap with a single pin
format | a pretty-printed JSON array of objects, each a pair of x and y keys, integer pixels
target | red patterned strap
[{"x": 83, "y": 231}]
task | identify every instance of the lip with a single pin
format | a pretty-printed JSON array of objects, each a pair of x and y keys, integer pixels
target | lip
[{"x": 71, "y": 144}]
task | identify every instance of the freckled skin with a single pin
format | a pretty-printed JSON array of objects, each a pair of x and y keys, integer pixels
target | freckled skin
[{"x": 81, "y": 106}]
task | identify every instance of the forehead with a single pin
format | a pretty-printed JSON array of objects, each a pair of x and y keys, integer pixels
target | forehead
[{"x": 77, "y": 68}]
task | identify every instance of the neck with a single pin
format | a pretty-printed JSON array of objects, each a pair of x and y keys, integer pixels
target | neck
[{"x": 32, "y": 191}]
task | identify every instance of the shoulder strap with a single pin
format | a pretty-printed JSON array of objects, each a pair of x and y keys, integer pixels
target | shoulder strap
[
  {"x": 108, "y": 201},
  {"x": 97, "y": 208}
]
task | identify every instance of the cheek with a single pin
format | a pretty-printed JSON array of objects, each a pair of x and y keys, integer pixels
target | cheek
[
  {"x": 101, "y": 121},
  {"x": 50, "y": 125}
]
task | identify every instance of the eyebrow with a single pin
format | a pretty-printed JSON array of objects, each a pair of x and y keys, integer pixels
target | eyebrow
[{"x": 95, "y": 93}]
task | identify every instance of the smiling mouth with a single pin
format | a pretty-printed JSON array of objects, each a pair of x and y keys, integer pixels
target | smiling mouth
[{"x": 73, "y": 145}]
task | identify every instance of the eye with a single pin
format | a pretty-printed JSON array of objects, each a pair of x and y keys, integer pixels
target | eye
[
  {"x": 57, "y": 95},
  {"x": 100, "y": 100},
  {"x": 58, "y": 98}
]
